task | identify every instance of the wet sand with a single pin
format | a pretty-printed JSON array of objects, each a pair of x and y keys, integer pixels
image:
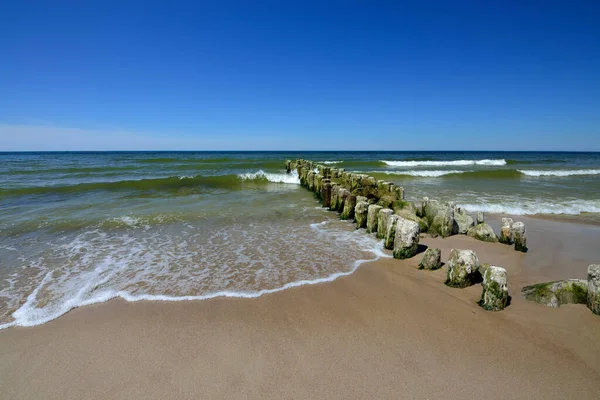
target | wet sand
[{"x": 389, "y": 331}]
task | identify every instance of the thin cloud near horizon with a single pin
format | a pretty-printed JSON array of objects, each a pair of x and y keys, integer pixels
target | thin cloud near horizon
[{"x": 23, "y": 138}]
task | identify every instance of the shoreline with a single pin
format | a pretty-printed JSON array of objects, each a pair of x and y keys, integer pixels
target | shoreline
[
  {"x": 387, "y": 330},
  {"x": 542, "y": 226}
]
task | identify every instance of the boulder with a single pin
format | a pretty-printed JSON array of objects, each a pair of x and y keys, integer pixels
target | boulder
[
  {"x": 432, "y": 259},
  {"x": 483, "y": 232},
  {"x": 555, "y": 294},
  {"x": 463, "y": 268},
  {"x": 406, "y": 241},
  {"x": 372, "y": 217},
  {"x": 463, "y": 221},
  {"x": 495, "y": 289},
  {"x": 480, "y": 217},
  {"x": 443, "y": 223},
  {"x": 382, "y": 220},
  {"x": 506, "y": 231},
  {"x": 519, "y": 237},
  {"x": 593, "y": 288},
  {"x": 349, "y": 205},
  {"x": 390, "y": 231}
]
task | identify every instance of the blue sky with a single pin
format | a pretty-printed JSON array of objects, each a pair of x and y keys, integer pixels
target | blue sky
[{"x": 300, "y": 75}]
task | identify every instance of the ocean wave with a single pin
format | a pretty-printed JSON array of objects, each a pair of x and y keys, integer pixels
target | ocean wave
[
  {"x": 489, "y": 174},
  {"x": 172, "y": 184},
  {"x": 452, "y": 174},
  {"x": 560, "y": 172},
  {"x": 424, "y": 174},
  {"x": 539, "y": 161},
  {"x": 419, "y": 163},
  {"x": 292, "y": 177},
  {"x": 574, "y": 207},
  {"x": 329, "y": 162}
]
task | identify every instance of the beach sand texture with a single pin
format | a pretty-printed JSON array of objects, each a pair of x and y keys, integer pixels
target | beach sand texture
[{"x": 388, "y": 331}]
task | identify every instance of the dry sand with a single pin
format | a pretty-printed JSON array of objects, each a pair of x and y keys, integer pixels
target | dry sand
[{"x": 389, "y": 331}]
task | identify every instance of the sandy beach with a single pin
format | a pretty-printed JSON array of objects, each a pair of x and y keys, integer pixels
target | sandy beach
[
  {"x": 213, "y": 200},
  {"x": 388, "y": 331}
]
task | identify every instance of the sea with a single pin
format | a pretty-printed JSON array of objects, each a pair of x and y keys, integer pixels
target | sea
[{"x": 78, "y": 228}]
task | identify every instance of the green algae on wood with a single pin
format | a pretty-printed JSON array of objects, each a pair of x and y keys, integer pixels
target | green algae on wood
[
  {"x": 556, "y": 293},
  {"x": 494, "y": 296}
]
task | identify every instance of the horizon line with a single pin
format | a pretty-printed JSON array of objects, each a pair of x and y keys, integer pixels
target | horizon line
[{"x": 297, "y": 151}]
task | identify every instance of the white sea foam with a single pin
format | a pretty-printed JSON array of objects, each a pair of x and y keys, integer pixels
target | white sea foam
[
  {"x": 432, "y": 174},
  {"x": 330, "y": 162},
  {"x": 444, "y": 163},
  {"x": 530, "y": 207},
  {"x": 560, "y": 172},
  {"x": 105, "y": 266},
  {"x": 28, "y": 315},
  {"x": 292, "y": 177}
]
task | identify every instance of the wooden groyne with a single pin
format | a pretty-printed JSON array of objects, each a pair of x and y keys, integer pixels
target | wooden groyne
[
  {"x": 367, "y": 201},
  {"x": 381, "y": 208}
]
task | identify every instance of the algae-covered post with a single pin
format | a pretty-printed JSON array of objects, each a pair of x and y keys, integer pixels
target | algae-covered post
[
  {"x": 463, "y": 268},
  {"x": 372, "y": 217},
  {"x": 593, "y": 288},
  {"x": 390, "y": 231},
  {"x": 555, "y": 294},
  {"x": 382, "y": 221},
  {"x": 432, "y": 259},
  {"x": 518, "y": 236},
  {"x": 406, "y": 241},
  {"x": 483, "y": 232},
  {"x": 495, "y": 289},
  {"x": 360, "y": 212},
  {"x": 506, "y": 236}
]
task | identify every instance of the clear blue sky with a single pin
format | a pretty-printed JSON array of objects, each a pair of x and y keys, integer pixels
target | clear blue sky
[{"x": 300, "y": 75}]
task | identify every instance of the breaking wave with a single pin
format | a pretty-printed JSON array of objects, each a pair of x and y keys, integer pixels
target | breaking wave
[
  {"x": 420, "y": 163},
  {"x": 561, "y": 172},
  {"x": 487, "y": 173},
  {"x": 172, "y": 183},
  {"x": 425, "y": 174},
  {"x": 532, "y": 207},
  {"x": 292, "y": 177}
]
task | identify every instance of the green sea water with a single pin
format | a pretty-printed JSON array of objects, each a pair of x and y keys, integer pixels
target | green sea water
[{"x": 81, "y": 228}]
